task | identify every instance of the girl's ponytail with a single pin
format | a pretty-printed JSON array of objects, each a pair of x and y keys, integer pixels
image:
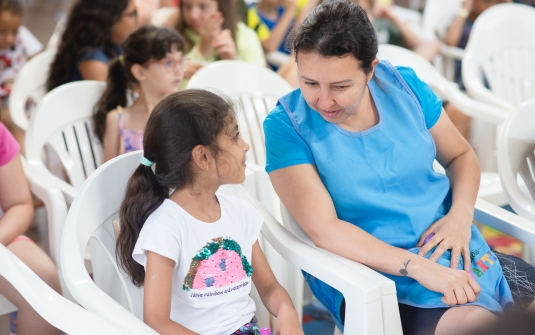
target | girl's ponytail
[
  {"x": 144, "y": 194},
  {"x": 115, "y": 95}
]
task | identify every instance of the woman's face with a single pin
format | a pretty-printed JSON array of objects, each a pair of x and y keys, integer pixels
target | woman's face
[
  {"x": 196, "y": 13},
  {"x": 126, "y": 24},
  {"x": 332, "y": 86}
]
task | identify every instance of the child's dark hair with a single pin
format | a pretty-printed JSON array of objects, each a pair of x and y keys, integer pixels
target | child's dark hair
[
  {"x": 144, "y": 44},
  {"x": 89, "y": 27},
  {"x": 230, "y": 16},
  {"x": 13, "y": 6},
  {"x": 179, "y": 123},
  {"x": 338, "y": 28}
]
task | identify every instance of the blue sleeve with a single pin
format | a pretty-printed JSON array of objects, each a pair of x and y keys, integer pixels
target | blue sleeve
[
  {"x": 96, "y": 55},
  {"x": 430, "y": 102},
  {"x": 284, "y": 146}
]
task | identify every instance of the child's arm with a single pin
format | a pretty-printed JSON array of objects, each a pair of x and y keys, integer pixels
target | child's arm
[
  {"x": 112, "y": 137},
  {"x": 273, "y": 42},
  {"x": 157, "y": 296},
  {"x": 274, "y": 296}
]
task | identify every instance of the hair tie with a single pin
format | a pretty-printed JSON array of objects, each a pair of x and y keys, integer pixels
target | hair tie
[
  {"x": 121, "y": 60},
  {"x": 146, "y": 162}
]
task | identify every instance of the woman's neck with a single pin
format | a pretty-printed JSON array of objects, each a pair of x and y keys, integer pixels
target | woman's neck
[{"x": 199, "y": 201}]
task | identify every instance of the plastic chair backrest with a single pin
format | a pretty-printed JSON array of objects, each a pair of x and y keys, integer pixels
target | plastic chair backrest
[
  {"x": 64, "y": 121},
  {"x": 256, "y": 88},
  {"x": 30, "y": 84},
  {"x": 501, "y": 49},
  {"x": 437, "y": 17},
  {"x": 90, "y": 222},
  {"x": 516, "y": 159},
  {"x": 55, "y": 309}
]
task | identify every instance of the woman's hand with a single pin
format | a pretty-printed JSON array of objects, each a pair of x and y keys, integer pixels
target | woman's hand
[
  {"x": 453, "y": 231},
  {"x": 288, "y": 322},
  {"x": 457, "y": 286},
  {"x": 225, "y": 46}
]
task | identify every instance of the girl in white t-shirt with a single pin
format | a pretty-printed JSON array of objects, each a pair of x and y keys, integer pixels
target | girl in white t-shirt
[{"x": 196, "y": 251}]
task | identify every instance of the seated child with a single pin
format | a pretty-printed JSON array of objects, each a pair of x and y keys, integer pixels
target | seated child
[
  {"x": 152, "y": 64},
  {"x": 196, "y": 251}
]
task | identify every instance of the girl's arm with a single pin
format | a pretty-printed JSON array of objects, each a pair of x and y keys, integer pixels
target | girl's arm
[
  {"x": 93, "y": 70},
  {"x": 15, "y": 201},
  {"x": 112, "y": 136},
  {"x": 157, "y": 296},
  {"x": 273, "y": 295},
  {"x": 276, "y": 35},
  {"x": 304, "y": 194},
  {"x": 453, "y": 231},
  {"x": 455, "y": 31}
]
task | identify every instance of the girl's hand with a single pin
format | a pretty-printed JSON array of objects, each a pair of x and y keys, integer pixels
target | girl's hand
[
  {"x": 288, "y": 322},
  {"x": 468, "y": 5},
  {"x": 225, "y": 46},
  {"x": 457, "y": 286},
  {"x": 209, "y": 32},
  {"x": 453, "y": 232}
]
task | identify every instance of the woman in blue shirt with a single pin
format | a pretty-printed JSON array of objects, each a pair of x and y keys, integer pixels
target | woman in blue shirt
[{"x": 351, "y": 156}]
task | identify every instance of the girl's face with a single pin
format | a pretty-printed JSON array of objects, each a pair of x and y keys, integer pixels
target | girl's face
[
  {"x": 126, "y": 24},
  {"x": 164, "y": 76},
  {"x": 231, "y": 159},
  {"x": 9, "y": 28},
  {"x": 196, "y": 13},
  {"x": 332, "y": 86}
]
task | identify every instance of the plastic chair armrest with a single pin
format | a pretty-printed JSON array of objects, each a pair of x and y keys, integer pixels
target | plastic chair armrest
[
  {"x": 451, "y": 52},
  {"x": 277, "y": 58},
  {"x": 50, "y": 179},
  {"x": 506, "y": 222}
]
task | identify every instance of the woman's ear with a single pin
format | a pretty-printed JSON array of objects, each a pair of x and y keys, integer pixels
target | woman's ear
[
  {"x": 139, "y": 72},
  {"x": 374, "y": 64},
  {"x": 201, "y": 157}
]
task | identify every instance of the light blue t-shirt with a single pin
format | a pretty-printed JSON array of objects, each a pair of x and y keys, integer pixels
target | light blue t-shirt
[{"x": 382, "y": 179}]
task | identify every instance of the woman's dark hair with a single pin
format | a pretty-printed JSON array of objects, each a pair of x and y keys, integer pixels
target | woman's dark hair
[
  {"x": 230, "y": 16},
  {"x": 179, "y": 123},
  {"x": 89, "y": 27},
  {"x": 13, "y": 6},
  {"x": 144, "y": 44},
  {"x": 338, "y": 28}
]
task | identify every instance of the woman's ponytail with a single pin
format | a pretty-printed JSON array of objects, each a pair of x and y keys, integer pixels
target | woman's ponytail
[
  {"x": 115, "y": 95},
  {"x": 144, "y": 194}
]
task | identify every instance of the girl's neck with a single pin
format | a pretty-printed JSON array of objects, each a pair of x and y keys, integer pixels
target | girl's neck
[
  {"x": 199, "y": 201},
  {"x": 146, "y": 101}
]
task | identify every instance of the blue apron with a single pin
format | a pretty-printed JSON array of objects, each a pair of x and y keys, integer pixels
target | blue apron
[{"x": 382, "y": 180}]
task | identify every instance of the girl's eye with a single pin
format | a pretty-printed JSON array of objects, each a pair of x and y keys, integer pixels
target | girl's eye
[{"x": 238, "y": 135}]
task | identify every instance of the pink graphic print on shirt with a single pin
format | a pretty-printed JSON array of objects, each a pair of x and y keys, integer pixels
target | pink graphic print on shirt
[{"x": 219, "y": 264}]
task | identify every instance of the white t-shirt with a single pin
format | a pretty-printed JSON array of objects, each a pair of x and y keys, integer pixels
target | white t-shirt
[
  {"x": 12, "y": 60},
  {"x": 212, "y": 274}
]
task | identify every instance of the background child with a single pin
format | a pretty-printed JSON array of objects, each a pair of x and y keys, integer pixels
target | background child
[
  {"x": 17, "y": 207},
  {"x": 195, "y": 251},
  {"x": 92, "y": 37},
  {"x": 153, "y": 65},
  {"x": 17, "y": 45},
  {"x": 212, "y": 32}
]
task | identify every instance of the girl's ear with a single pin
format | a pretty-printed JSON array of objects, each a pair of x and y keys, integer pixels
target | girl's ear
[
  {"x": 202, "y": 157},
  {"x": 139, "y": 72}
]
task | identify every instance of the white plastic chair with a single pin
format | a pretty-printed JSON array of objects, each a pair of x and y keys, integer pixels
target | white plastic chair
[
  {"x": 56, "y": 310},
  {"x": 90, "y": 220},
  {"x": 502, "y": 48},
  {"x": 30, "y": 84},
  {"x": 516, "y": 159},
  {"x": 490, "y": 189},
  {"x": 257, "y": 89},
  {"x": 64, "y": 121}
]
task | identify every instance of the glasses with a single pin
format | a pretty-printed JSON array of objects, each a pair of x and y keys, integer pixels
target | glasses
[{"x": 170, "y": 64}]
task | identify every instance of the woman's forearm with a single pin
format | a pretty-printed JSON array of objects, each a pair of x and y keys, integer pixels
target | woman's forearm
[
  {"x": 464, "y": 175},
  {"x": 15, "y": 222}
]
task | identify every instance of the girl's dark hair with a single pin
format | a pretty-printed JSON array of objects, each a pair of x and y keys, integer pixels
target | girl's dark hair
[
  {"x": 338, "y": 28},
  {"x": 144, "y": 44},
  {"x": 89, "y": 27},
  {"x": 230, "y": 16},
  {"x": 179, "y": 123},
  {"x": 13, "y": 6}
]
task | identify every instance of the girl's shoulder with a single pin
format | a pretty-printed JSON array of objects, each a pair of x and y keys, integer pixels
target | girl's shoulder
[{"x": 237, "y": 206}]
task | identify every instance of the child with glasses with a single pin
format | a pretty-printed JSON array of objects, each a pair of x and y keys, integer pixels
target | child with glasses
[{"x": 153, "y": 65}]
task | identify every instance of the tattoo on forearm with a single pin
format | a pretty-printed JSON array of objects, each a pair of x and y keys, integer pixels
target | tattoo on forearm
[{"x": 404, "y": 271}]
